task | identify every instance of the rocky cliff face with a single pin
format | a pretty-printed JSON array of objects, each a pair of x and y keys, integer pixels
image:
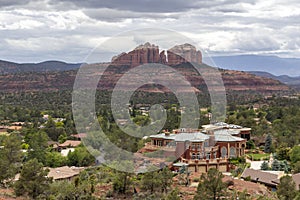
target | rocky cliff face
[
  {"x": 149, "y": 53},
  {"x": 184, "y": 53}
]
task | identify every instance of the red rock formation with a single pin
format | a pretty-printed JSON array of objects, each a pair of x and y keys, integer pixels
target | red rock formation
[
  {"x": 184, "y": 53},
  {"x": 146, "y": 53},
  {"x": 149, "y": 53}
]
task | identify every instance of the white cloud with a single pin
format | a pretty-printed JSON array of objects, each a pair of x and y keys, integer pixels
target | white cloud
[{"x": 70, "y": 29}]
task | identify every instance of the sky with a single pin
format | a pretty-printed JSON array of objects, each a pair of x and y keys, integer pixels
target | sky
[{"x": 68, "y": 30}]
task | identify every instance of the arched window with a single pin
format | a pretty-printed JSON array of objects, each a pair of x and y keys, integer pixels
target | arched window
[
  {"x": 193, "y": 156},
  {"x": 198, "y": 156},
  {"x": 232, "y": 152},
  {"x": 223, "y": 152}
]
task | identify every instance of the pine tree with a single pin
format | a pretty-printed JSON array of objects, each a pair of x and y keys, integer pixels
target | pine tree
[
  {"x": 268, "y": 144},
  {"x": 33, "y": 180},
  {"x": 276, "y": 165},
  {"x": 10, "y": 156},
  {"x": 211, "y": 186},
  {"x": 264, "y": 166}
]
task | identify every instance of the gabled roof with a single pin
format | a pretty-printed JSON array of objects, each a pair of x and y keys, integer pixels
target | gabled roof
[{"x": 261, "y": 176}]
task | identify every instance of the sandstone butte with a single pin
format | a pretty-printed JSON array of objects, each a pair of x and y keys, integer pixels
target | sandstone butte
[{"x": 149, "y": 53}]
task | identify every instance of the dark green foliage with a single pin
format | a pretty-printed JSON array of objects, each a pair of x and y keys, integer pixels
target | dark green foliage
[
  {"x": 33, "y": 180},
  {"x": 173, "y": 195},
  {"x": 276, "y": 165},
  {"x": 282, "y": 152},
  {"x": 10, "y": 157},
  {"x": 286, "y": 190},
  {"x": 37, "y": 145},
  {"x": 211, "y": 186},
  {"x": 268, "y": 144},
  {"x": 121, "y": 182},
  {"x": 265, "y": 166},
  {"x": 296, "y": 167},
  {"x": 150, "y": 182},
  {"x": 80, "y": 157},
  {"x": 165, "y": 179},
  {"x": 55, "y": 159},
  {"x": 295, "y": 154},
  {"x": 250, "y": 144},
  {"x": 156, "y": 181}
]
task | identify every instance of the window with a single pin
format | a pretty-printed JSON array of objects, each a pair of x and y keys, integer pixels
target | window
[
  {"x": 193, "y": 147},
  {"x": 193, "y": 156},
  {"x": 223, "y": 152},
  {"x": 198, "y": 156},
  {"x": 207, "y": 155},
  {"x": 232, "y": 152},
  {"x": 159, "y": 143}
]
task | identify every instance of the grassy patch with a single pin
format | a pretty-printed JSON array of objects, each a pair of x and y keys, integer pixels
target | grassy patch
[{"x": 257, "y": 157}]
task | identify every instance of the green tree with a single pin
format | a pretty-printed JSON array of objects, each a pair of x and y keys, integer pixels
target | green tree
[
  {"x": 286, "y": 190},
  {"x": 80, "y": 157},
  {"x": 276, "y": 165},
  {"x": 10, "y": 156},
  {"x": 295, "y": 154},
  {"x": 296, "y": 167},
  {"x": 33, "y": 180},
  {"x": 282, "y": 152},
  {"x": 55, "y": 159},
  {"x": 268, "y": 144},
  {"x": 165, "y": 179},
  {"x": 63, "y": 190},
  {"x": 265, "y": 166},
  {"x": 121, "y": 182},
  {"x": 151, "y": 181},
  {"x": 211, "y": 186},
  {"x": 37, "y": 145},
  {"x": 173, "y": 195}
]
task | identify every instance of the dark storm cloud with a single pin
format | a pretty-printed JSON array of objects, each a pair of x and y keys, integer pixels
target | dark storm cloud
[
  {"x": 6, "y": 3},
  {"x": 111, "y": 15},
  {"x": 146, "y": 5}
]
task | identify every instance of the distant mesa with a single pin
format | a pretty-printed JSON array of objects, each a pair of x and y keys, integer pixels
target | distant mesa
[{"x": 149, "y": 53}]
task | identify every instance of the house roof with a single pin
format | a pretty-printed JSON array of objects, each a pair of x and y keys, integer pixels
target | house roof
[
  {"x": 181, "y": 137},
  {"x": 261, "y": 176},
  {"x": 60, "y": 173},
  {"x": 70, "y": 143},
  {"x": 228, "y": 131},
  {"x": 164, "y": 136},
  {"x": 79, "y": 135},
  {"x": 222, "y": 136},
  {"x": 64, "y": 172},
  {"x": 192, "y": 137}
]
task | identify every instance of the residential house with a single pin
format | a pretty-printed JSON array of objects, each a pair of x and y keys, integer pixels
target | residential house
[
  {"x": 67, "y": 146},
  {"x": 64, "y": 173},
  {"x": 210, "y": 148}
]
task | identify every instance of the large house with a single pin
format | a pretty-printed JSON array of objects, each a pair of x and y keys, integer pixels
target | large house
[{"x": 201, "y": 150}]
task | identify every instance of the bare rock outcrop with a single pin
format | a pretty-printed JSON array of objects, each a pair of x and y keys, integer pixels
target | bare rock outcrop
[
  {"x": 184, "y": 53},
  {"x": 149, "y": 53}
]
